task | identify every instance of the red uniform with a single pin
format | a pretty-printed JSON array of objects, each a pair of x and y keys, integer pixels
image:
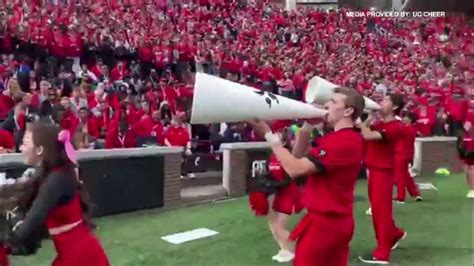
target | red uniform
[
  {"x": 3, "y": 256},
  {"x": 380, "y": 161},
  {"x": 468, "y": 145},
  {"x": 78, "y": 246},
  {"x": 404, "y": 151},
  {"x": 324, "y": 234},
  {"x": 468, "y": 138},
  {"x": 287, "y": 199}
]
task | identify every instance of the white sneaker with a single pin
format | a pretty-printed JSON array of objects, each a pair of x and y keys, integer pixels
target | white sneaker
[
  {"x": 470, "y": 194},
  {"x": 191, "y": 175},
  {"x": 284, "y": 256},
  {"x": 369, "y": 211},
  {"x": 277, "y": 255}
]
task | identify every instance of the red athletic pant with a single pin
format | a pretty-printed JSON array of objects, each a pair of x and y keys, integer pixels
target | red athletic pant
[
  {"x": 323, "y": 240},
  {"x": 380, "y": 196},
  {"x": 3, "y": 256},
  {"x": 403, "y": 179}
]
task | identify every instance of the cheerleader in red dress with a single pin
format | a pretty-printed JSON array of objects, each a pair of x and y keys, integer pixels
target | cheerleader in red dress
[
  {"x": 60, "y": 203},
  {"x": 3, "y": 256},
  {"x": 286, "y": 201},
  {"x": 466, "y": 152}
]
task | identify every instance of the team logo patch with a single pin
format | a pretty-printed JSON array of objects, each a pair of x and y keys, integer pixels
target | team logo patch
[{"x": 322, "y": 153}]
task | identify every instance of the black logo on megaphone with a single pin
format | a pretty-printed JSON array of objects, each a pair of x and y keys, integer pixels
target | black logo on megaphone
[{"x": 269, "y": 97}]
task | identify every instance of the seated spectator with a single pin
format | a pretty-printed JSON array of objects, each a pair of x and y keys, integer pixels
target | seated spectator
[
  {"x": 69, "y": 119},
  {"x": 236, "y": 132},
  {"x": 78, "y": 101},
  {"x": 88, "y": 124},
  {"x": 178, "y": 135},
  {"x": 165, "y": 113},
  {"x": 230, "y": 133},
  {"x": 86, "y": 74},
  {"x": 426, "y": 121},
  {"x": 120, "y": 133},
  {"x": 7, "y": 142},
  {"x": 41, "y": 95}
]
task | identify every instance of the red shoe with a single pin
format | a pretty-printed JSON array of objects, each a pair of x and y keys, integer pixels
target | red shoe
[{"x": 398, "y": 240}]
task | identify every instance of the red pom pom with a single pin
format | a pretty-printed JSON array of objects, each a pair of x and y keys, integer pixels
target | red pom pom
[{"x": 259, "y": 203}]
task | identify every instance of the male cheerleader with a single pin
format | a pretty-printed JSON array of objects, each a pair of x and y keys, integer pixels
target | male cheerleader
[
  {"x": 404, "y": 152},
  {"x": 379, "y": 159},
  {"x": 324, "y": 234}
]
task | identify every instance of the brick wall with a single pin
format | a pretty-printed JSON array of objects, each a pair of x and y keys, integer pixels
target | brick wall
[
  {"x": 172, "y": 182},
  {"x": 437, "y": 154},
  {"x": 238, "y": 178}
]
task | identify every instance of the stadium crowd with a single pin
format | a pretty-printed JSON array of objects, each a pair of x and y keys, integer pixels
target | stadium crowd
[{"x": 121, "y": 75}]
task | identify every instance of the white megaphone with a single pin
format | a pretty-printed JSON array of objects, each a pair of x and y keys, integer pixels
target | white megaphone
[
  {"x": 320, "y": 91},
  {"x": 217, "y": 100}
]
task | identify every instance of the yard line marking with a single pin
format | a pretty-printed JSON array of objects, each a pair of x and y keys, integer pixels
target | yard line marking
[
  {"x": 427, "y": 186},
  {"x": 183, "y": 237}
]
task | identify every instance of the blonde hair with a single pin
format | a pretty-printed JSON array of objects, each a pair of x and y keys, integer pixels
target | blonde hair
[{"x": 15, "y": 91}]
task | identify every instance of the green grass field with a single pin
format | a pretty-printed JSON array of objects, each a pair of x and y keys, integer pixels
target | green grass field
[{"x": 440, "y": 232}]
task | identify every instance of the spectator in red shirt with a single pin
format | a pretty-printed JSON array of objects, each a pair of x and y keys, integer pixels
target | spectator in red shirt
[
  {"x": 88, "y": 123},
  {"x": 120, "y": 133},
  {"x": 69, "y": 119},
  {"x": 178, "y": 135},
  {"x": 7, "y": 142},
  {"x": 426, "y": 121},
  {"x": 41, "y": 95}
]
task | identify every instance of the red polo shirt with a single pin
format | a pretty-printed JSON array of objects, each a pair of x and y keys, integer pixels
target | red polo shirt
[
  {"x": 338, "y": 156},
  {"x": 144, "y": 126},
  {"x": 177, "y": 136},
  {"x": 379, "y": 154},
  {"x": 406, "y": 144},
  {"x": 115, "y": 140},
  {"x": 93, "y": 127},
  {"x": 69, "y": 121},
  {"x": 6, "y": 140}
]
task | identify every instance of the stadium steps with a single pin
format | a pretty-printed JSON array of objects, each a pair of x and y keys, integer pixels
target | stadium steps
[
  {"x": 201, "y": 194},
  {"x": 203, "y": 179}
]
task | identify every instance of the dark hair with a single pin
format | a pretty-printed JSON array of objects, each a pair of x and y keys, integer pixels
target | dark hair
[
  {"x": 46, "y": 108},
  {"x": 285, "y": 138},
  {"x": 353, "y": 100},
  {"x": 54, "y": 156},
  {"x": 398, "y": 101},
  {"x": 413, "y": 117}
]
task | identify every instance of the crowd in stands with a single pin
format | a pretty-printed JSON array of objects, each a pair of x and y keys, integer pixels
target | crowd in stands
[{"x": 119, "y": 74}]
